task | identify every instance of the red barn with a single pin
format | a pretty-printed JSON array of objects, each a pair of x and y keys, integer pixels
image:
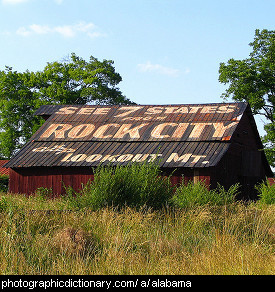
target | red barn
[
  {"x": 217, "y": 143},
  {"x": 4, "y": 170}
]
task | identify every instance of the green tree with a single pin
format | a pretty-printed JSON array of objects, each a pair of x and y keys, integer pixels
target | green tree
[
  {"x": 76, "y": 81},
  {"x": 18, "y": 101},
  {"x": 253, "y": 80},
  {"x": 73, "y": 81}
]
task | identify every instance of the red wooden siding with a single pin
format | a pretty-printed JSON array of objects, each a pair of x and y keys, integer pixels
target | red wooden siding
[{"x": 27, "y": 182}]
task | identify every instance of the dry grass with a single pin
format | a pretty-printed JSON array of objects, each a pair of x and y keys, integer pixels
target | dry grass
[{"x": 231, "y": 239}]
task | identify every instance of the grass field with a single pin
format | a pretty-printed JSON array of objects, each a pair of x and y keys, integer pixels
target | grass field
[
  {"x": 41, "y": 236},
  {"x": 131, "y": 221}
]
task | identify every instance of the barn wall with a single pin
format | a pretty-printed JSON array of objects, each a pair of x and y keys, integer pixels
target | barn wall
[{"x": 27, "y": 180}]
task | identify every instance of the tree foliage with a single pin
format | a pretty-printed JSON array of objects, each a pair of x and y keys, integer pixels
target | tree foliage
[
  {"x": 253, "y": 80},
  {"x": 73, "y": 81}
]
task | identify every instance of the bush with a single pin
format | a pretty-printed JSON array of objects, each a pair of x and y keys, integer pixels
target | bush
[
  {"x": 134, "y": 185},
  {"x": 4, "y": 183},
  {"x": 198, "y": 194},
  {"x": 44, "y": 193},
  {"x": 266, "y": 192}
]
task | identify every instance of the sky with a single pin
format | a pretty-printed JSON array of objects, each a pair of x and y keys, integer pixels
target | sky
[{"x": 167, "y": 51}]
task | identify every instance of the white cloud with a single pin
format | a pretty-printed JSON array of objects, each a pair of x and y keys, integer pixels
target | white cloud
[
  {"x": 67, "y": 31},
  {"x": 58, "y": 1},
  {"x": 149, "y": 67},
  {"x": 39, "y": 29},
  {"x": 23, "y": 31},
  {"x": 13, "y": 1}
]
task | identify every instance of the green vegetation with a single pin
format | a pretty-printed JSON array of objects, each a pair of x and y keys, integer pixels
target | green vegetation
[
  {"x": 192, "y": 195},
  {"x": 138, "y": 185},
  {"x": 102, "y": 229},
  {"x": 266, "y": 193},
  {"x": 4, "y": 183},
  {"x": 134, "y": 185},
  {"x": 252, "y": 80}
]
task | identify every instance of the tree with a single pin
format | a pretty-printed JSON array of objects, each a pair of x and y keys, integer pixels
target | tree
[
  {"x": 73, "y": 81},
  {"x": 76, "y": 81},
  {"x": 253, "y": 80},
  {"x": 18, "y": 101}
]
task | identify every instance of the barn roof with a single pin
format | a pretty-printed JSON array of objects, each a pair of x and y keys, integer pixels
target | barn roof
[
  {"x": 3, "y": 170},
  {"x": 193, "y": 135}
]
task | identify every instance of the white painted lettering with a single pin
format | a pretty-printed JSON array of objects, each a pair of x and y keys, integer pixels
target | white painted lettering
[
  {"x": 220, "y": 129},
  {"x": 102, "y": 111},
  {"x": 226, "y": 109},
  {"x": 176, "y": 158},
  {"x": 198, "y": 129},
  {"x": 126, "y": 129},
  {"x": 85, "y": 111},
  {"x": 57, "y": 129},
  {"x": 128, "y": 110},
  {"x": 109, "y": 157},
  {"x": 194, "y": 109},
  {"x": 125, "y": 157},
  {"x": 93, "y": 157},
  {"x": 100, "y": 132},
  {"x": 67, "y": 157},
  {"x": 81, "y": 131},
  {"x": 180, "y": 130},
  {"x": 67, "y": 110},
  {"x": 140, "y": 157},
  {"x": 208, "y": 109},
  {"x": 170, "y": 110},
  {"x": 157, "y": 131},
  {"x": 78, "y": 157},
  {"x": 154, "y": 110}
]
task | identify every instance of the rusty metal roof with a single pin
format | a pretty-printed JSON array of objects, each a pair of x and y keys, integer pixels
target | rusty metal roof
[
  {"x": 193, "y": 135},
  {"x": 3, "y": 171}
]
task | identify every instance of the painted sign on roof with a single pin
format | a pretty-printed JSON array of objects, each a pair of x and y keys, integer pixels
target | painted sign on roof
[
  {"x": 177, "y": 135},
  {"x": 142, "y": 123}
]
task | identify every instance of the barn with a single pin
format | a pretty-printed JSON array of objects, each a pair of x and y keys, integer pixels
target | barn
[
  {"x": 216, "y": 143},
  {"x": 3, "y": 170}
]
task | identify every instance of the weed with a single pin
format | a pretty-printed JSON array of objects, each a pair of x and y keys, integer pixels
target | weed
[
  {"x": 266, "y": 192},
  {"x": 134, "y": 185},
  {"x": 4, "y": 183},
  {"x": 190, "y": 195}
]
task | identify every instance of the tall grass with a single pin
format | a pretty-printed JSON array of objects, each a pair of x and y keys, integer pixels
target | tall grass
[
  {"x": 131, "y": 221},
  {"x": 231, "y": 239}
]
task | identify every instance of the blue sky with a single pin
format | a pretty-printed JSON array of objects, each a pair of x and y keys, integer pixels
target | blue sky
[{"x": 167, "y": 51}]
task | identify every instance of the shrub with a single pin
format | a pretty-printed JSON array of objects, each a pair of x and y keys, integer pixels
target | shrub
[
  {"x": 266, "y": 192},
  {"x": 191, "y": 194},
  {"x": 4, "y": 183},
  {"x": 44, "y": 193},
  {"x": 134, "y": 185}
]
